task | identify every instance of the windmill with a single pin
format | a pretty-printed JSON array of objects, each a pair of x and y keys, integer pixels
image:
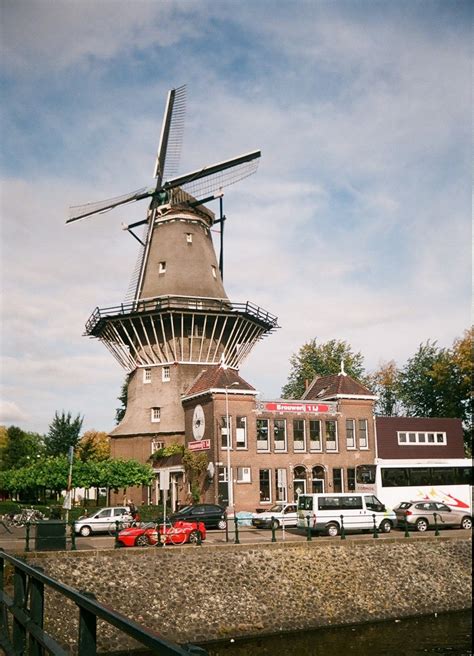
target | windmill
[{"x": 169, "y": 190}]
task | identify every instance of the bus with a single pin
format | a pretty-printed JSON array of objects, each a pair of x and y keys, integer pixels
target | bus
[{"x": 394, "y": 481}]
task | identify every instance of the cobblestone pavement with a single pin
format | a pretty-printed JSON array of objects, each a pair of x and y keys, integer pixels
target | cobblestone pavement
[{"x": 16, "y": 540}]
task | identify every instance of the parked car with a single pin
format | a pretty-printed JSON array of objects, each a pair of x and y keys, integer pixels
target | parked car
[
  {"x": 103, "y": 520},
  {"x": 179, "y": 532},
  {"x": 421, "y": 514},
  {"x": 282, "y": 514},
  {"x": 211, "y": 515}
]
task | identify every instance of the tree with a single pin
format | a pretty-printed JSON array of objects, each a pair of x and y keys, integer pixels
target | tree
[
  {"x": 63, "y": 433},
  {"x": 384, "y": 382},
  {"x": 321, "y": 360},
  {"x": 21, "y": 448},
  {"x": 93, "y": 445},
  {"x": 123, "y": 398}
]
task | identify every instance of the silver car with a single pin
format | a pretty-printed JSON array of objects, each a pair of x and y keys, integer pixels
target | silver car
[
  {"x": 103, "y": 521},
  {"x": 421, "y": 514}
]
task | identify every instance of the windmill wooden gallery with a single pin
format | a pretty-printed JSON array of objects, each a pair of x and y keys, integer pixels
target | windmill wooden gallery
[{"x": 182, "y": 341}]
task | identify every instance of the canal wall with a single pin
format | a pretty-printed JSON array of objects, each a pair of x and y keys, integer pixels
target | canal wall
[{"x": 199, "y": 594}]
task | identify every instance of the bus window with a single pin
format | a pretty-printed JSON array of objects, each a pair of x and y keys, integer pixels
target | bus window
[
  {"x": 351, "y": 503},
  {"x": 329, "y": 503},
  {"x": 394, "y": 477},
  {"x": 443, "y": 476},
  {"x": 305, "y": 502},
  {"x": 464, "y": 475},
  {"x": 372, "y": 503},
  {"x": 365, "y": 474},
  {"x": 420, "y": 476}
]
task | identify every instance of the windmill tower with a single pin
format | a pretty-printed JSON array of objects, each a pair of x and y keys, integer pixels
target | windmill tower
[{"x": 178, "y": 320}]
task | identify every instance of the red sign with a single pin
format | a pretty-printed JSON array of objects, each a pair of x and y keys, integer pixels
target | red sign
[
  {"x": 277, "y": 406},
  {"x": 199, "y": 445}
]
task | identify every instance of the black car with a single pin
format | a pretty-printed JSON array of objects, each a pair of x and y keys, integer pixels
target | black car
[{"x": 212, "y": 515}]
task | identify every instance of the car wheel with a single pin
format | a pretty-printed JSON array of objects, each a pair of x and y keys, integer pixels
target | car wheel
[
  {"x": 385, "y": 526},
  {"x": 222, "y": 524},
  {"x": 422, "y": 525},
  {"x": 142, "y": 541},
  {"x": 194, "y": 537},
  {"x": 332, "y": 530},
  {"x": 275, "y": 524},
  {"x": 466, "y": 523},
  {"x": 85, "y": 531}
]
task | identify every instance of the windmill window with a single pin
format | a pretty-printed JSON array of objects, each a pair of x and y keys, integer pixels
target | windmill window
[
  {"x": 155, "y": 415},
  {"x": 189, "y": 237},
  {"x": 165, "y": 374},
  {"x": 147, "y": 375},
  {"x": 162, "y": 267},
  {"x": 214, "y": 272}
]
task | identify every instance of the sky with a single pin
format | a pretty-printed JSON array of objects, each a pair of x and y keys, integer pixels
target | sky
[{"x": 356, "y": 226}]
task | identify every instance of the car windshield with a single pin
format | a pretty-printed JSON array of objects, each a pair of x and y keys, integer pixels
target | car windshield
[
  {"x": 183, "y": 511},
  {"x": 276, "y": 508}
]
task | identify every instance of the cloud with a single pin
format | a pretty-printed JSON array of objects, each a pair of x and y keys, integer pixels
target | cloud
[{"x": 11, "y": 413}]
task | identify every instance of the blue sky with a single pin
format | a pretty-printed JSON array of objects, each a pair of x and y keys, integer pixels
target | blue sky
[{"x": 357, "y": 225}]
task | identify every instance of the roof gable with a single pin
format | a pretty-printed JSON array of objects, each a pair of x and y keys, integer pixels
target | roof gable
[
  {"x": 217, "y": 377},
  {"x": 336, "y": 386}
]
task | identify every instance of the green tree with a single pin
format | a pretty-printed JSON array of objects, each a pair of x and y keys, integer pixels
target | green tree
[
  {"x": 324, "y": 359},
  {"x": 63, "y": 433},
  {"x": 21, "y": 448},
  {"x": 93, "y": 445},
  {"x": 384, "y": 382},
  {"x": 123, "y": 398}
]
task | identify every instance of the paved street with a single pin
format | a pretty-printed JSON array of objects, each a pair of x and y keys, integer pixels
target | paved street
[{"x": 15, "y": 541}]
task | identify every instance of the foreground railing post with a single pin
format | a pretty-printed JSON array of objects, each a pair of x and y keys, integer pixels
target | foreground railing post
[
  {"x": 308, "y": 530},
  {"x": 376, "y": 533},
  {"x": 87, "y": 645},
  {"x": 236, "y": 524},
  {"x": 73, "y": 536},
  {"x": 116, "y": 532},
  {"x": 19, "y": 600},
  {"x": 435, "y": 515},
  {"x": 3, "y": 609},
  {"x": 27, "y": 537},
  {"x": 343, "y": 530},
  {"x": 273, "y": 527},
  {"x": 37, "y": 613},
  {"x": 407, "y": 535}
]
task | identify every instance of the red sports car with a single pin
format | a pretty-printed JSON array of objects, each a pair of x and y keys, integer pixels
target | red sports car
[{"x": 176, "y": 533}]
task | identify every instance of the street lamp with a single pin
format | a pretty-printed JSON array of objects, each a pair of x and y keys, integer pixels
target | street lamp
[{"x": 230, "y": 490}]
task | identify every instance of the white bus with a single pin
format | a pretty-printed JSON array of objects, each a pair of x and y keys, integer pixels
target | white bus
[{"x": 393, "y": 481}]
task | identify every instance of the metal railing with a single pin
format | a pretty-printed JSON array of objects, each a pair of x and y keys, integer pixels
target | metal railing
[{"x": 22, "y": 618}]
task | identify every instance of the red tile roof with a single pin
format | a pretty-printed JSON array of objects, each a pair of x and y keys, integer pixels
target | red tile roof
[
  {"x": 327, "y": 387},
  {"x": 217, "y": 377}
]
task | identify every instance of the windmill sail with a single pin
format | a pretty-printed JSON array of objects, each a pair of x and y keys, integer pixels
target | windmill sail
[{"x": 171, "y": 138}]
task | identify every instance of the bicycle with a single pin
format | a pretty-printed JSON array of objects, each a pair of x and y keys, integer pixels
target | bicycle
[{"x": 119, "y": 525}]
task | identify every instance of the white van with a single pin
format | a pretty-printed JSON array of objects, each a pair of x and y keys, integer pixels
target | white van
[{"x": 357, "y": 512}]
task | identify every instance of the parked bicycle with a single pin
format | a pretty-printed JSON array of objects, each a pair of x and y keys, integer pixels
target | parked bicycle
[{"x": 26, "y": 516}]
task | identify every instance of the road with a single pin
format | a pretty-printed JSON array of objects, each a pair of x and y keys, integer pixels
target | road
[{"x": 16, "y": 542}]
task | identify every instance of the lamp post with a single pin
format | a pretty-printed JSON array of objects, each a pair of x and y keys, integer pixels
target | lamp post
[{"x": 230, "y": 489}]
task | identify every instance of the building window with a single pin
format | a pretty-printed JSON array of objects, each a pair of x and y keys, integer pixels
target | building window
[
  {"x": 298, "y": 434},
  {"x": 262, "y": 435},
  {"x": 265, "y": 490},
  {"x": 350, "y": 434},
  {"x": 147, "y": 375},
  {"x": 225, "y": 432},
  {"x": 244, "y": 475},
  {"x": 241, "y": 433},
  {"x": 363, "y": 436},
  {"x": 214, "y": 272},
  {"x": 299, "y": 481},
  {"x": 281, "y": 485},
  {"x": 156, "y": 445},
  {"x": 315, "y": 435},
  {"x": 337, "y": 479},
  {"x": 331, "y": 435},
  {"x": 162, "y": 267},
  {"x": 429, "y": 439},
  {"x": 155, "y": 414},
  {"x": 223, "y": 487},
  {"x": 189, "y": 237},
  {"x": 279, "y": 434},
  {"x": 165, "y": 374},
  {"x": 351, "y": 480},
  {"x": 318, "y": 479}
]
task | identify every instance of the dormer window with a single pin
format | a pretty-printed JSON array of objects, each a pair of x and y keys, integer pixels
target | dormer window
[
  {"x": 155, "y": 415},
  {"x": 189, "y": 237},
  {"x": 214, "y": 272},
  {"x": 162, "y": 267}
]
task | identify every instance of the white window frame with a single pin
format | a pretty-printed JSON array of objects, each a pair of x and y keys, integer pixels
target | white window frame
[
  {"x": 156, "y": 445},
  {"x": 316, "y": 449},
  {"x": 224, "y": 431},
  {"x": 244, "y": 474},
  {"x": 302, "y": 448},
  {"x": 241, "y": 431},
  {"x": 351, "y": 447},
  {"x": 335, "y": 450},
  {"x": 147, "y": 376},
  {"x": 361, "y": 446},
  {"x": 266, "y": 448},
  {"x": 284, "y": 440},
  {"x": 412, "y": 438},
  {"x": 155, "y": 415},
  {"x": 166, "y": 374},
  {"x": 270, "y": 496}
]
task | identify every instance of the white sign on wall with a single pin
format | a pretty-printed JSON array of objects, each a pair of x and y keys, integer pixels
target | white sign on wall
[{"x": 164, "y": 480}]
